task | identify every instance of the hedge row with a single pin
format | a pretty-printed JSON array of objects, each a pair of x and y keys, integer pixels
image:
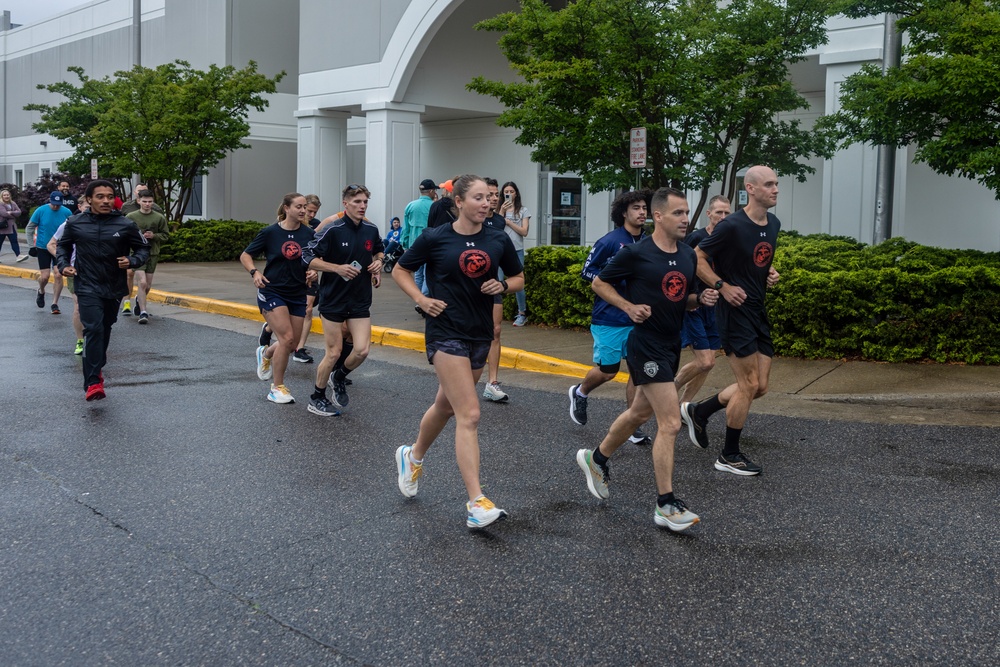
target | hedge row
[
  {"x": 838, "y": 298},
  {"x": 209, "y": 240}
]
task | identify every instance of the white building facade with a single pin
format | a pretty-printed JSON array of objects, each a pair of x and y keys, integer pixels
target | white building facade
[{"x": 375, "y": 94}]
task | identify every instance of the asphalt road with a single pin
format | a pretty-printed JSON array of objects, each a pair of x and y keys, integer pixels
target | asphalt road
[{"x": 185, "y": 520}]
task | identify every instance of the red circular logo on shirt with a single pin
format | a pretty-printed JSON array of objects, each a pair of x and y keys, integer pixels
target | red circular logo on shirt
[
  {"x": 368, "y": 245},
  {"x": 291, "y": 250},
  {"x": 674, "y": 286},
  {"x": 474, "y": 263},
  {"x": 762, "y": 254}
]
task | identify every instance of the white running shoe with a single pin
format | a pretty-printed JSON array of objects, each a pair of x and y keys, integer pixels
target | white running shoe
[
  {"x": 279, "y": 394},
  {"x": 264, "y": 371},
  {"x": 482, "y": 512},
  {"x": 493, "y": 392},
  {"x": 408, "y": 472}
]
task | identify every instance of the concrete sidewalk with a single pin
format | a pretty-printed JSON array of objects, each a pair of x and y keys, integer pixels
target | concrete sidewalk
[{"x": 827, "y": 389}]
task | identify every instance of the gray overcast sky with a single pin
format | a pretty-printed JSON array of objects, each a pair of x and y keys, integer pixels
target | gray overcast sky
[{"x": 33, "y": 11}]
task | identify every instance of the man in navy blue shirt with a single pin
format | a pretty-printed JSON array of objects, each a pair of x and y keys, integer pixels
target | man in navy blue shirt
[{"x": 609, "y": 326}]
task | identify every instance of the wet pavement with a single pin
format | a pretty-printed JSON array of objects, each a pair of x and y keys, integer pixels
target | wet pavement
[{"x": 187, "y": 520}]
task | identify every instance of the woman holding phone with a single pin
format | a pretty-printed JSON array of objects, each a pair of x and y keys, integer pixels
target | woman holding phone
[
  {"x": 462, "y": 261},
  {"x": 518, "y": 219}
]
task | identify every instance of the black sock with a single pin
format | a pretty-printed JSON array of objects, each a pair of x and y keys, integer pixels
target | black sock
[
  {"x": 708, "y": 407},
  {"x": 664, "y": 498},
  {"x": 732, "y": 445},
  {"x": 318, "y": 393},
  {"x": 340, "y": 374},
  {"x": 345, "y": 352},
  {"x": 600, "y": 459}
]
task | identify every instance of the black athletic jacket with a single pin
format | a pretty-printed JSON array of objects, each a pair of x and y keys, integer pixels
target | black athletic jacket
[{"x": 100, "y": 240}]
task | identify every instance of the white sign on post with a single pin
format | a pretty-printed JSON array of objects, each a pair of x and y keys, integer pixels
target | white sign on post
[
  {"x": 637, "y": 148},
  {"x": 93, "y": 168}
]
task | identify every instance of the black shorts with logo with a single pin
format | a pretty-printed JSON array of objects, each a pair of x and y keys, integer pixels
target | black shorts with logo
[{"x": 649, "y": 364}]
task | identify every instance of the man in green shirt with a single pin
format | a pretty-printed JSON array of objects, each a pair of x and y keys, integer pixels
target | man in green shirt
[{"x": 153, "y": 226}]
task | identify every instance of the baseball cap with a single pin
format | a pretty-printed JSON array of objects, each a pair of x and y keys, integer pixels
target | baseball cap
[
  {"x": 56, "y": 198},
  {"x": 447, "y": 185},
  {"x": 428, "y": 184}
]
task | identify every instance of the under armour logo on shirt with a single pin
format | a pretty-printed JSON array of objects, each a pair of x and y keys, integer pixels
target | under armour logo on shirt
[
  {"x": 671, "y": 263},
  {"x": 470, "y": 243},
  {"x": 344, "y": 244},
  {"x": 763, "y": 234}
]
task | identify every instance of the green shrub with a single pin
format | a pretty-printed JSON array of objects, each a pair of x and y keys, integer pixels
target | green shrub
[
  {"x": 556, "y": 294},
  {"x": 837, "y": 298},
  {"x": 209, "y": 240}
]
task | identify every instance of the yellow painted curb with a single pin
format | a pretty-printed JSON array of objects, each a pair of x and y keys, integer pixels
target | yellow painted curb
[{"x": 521, "y": 360}]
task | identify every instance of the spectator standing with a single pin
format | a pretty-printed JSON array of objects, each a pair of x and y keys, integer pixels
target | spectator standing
[
  {"x": 518, "y": 219},
  {"x": 415, "y": 219},
  {"x": 9, "y": 213}
]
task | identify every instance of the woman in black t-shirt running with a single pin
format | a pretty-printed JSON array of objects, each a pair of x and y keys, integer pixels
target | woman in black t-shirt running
[
  {"x": 462, "y": 260},
  {"x": 281, "y": 289}
]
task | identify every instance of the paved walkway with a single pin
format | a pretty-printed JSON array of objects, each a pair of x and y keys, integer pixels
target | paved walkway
[{"x": 825, "y": 389}]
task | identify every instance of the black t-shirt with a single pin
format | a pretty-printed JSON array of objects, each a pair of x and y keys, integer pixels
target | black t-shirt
[
  {"x": 341, "y": 242},
  {"x": 440, "y": 213},
  {"x": 69, "y": 201},
  {"x": 658, "y": 279},
  {"x": 314, "y": 223},
  {"x": 282, "y": 249},
  {"x": 741, "y": 253},
  {"x": 693, "y": 239},
  {"x": 495, "y": 221},
  {"x": 457, "y": 266}
]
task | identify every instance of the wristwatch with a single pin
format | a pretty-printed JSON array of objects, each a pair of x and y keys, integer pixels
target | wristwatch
[
  {"x": 718, "y": 284},
  {"x": 252, "y": 272},
  {"x": 504, "y": 283}
]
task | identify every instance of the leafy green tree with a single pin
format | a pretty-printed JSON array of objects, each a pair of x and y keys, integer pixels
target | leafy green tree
[
  {"x": 169, "y": 124},
  {"x": 944, "y": 96},
  {"x": 705, "y": 79}
]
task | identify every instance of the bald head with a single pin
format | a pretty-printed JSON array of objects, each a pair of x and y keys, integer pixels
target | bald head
[
  {"x": 759, "y": 174},
  {"x": 761, "y": 184}
]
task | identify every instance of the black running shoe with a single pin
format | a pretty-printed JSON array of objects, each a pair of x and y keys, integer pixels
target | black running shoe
[
  {"x": 40, "y": 299},
  {"x": 340, "y": 398},
  {"x": 577, "y": 406},
  {"x": 640, "y": 438},
  {"x": 265, "y": 336},
  {"x": 696, "y": 427},
  {"x": 302, "y": 356},
  {"x": 738, "y": 464}
]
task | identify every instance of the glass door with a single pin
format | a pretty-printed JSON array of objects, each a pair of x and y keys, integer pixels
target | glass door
[{"x": 564, "y": 209}]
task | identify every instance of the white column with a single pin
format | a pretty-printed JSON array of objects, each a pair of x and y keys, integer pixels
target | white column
[
  {"x": 392, "y": 158},
  {"x": 322, "y": 156}
]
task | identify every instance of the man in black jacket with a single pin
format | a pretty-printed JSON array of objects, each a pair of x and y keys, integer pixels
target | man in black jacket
[{"x": 107, "y": 244}]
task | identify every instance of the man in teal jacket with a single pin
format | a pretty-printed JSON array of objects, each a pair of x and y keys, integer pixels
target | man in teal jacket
[{"x": 415, "y": 220}]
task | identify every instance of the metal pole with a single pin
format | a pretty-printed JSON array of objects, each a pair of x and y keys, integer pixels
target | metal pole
[
  {"x": 137, "y": 32},
  {"x": 885, "y": 170}
]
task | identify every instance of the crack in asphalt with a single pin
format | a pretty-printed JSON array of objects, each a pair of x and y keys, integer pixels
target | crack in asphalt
[{"x": 248, "y": 602}]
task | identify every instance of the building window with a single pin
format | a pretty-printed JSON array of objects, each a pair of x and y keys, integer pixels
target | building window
[
  {"x": 194, "y": 205},
  {"x": 19, "y": 178},
  {"x": 46, "y": 172}
]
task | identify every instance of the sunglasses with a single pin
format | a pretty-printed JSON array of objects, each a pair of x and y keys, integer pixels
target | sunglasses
[{"x": 354, "y": 188}]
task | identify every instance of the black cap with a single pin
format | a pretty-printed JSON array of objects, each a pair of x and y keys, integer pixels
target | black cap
[{"x": 428, "y": 184}]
